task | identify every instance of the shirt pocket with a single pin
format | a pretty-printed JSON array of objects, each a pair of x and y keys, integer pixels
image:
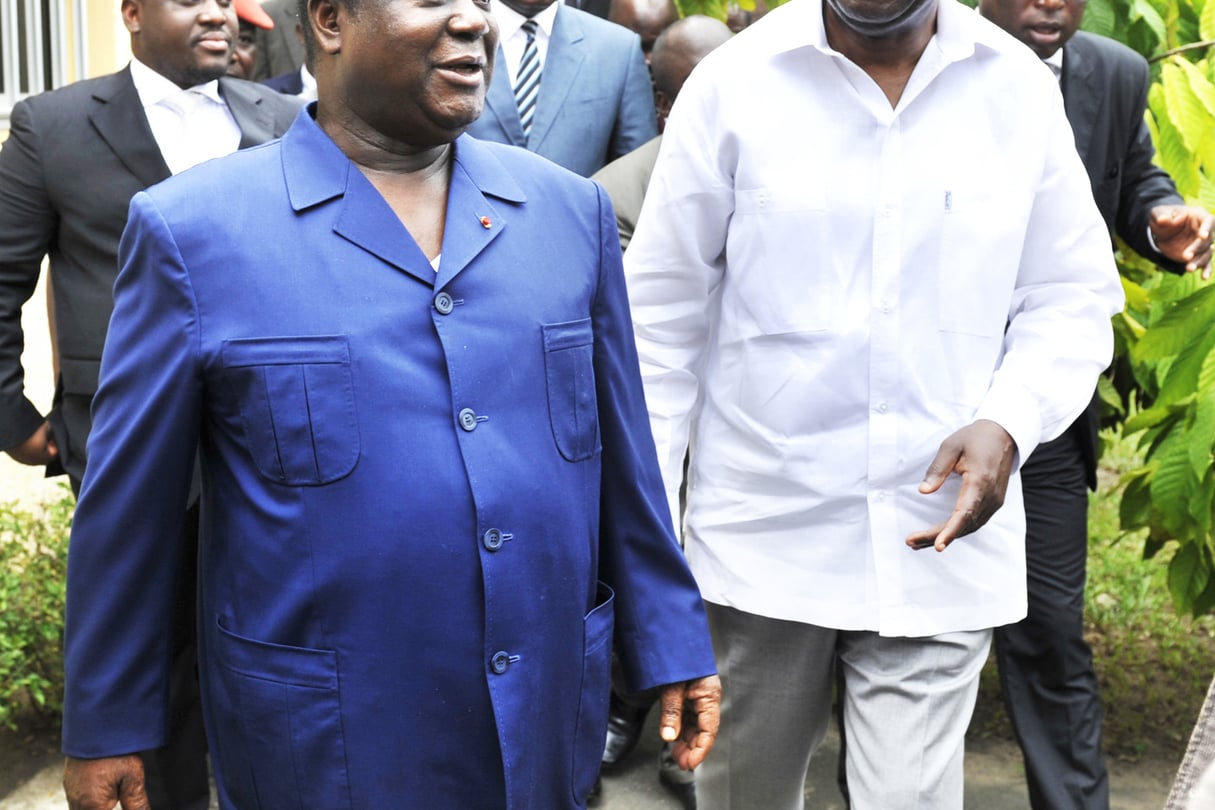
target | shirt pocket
[
  {"x": 297, "y": 407},
  {"x": 569, "y": 371},
  {"x": 982, "y": 238},
  {"x": 782, "y": 272}
]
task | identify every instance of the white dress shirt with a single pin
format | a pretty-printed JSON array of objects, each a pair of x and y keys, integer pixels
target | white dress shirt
[
  {"x": 821, "y": 285},
  {"x": 308, "y": 82},
  {"x": 512, "y": 39},
  {"x": 190, "y": 126}
]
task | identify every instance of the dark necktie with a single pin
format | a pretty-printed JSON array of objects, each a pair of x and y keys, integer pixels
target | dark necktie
[{"x": 527, "y": 83}]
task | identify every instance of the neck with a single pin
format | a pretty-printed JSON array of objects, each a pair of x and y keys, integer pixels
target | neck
[
  {"x": 889, "y": 59},
  {"x": 375, "y": 153}
]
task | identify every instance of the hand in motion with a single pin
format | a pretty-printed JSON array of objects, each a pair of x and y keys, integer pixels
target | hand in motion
[
  {"x": 1183, "y": 234},
  {"x": 691, "y": 713},
  {"x": 100, "y": 784},
  {"x": 982, "y": 453},
  {"x": 38, "y": 450}
]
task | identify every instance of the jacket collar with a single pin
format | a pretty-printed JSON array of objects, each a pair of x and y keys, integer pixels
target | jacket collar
[{"x": 479, "y": 201}]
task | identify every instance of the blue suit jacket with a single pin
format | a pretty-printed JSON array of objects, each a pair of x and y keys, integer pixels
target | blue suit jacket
[
  {"x": 419, "y": 489},
  {"x": 596, "y": 102}
]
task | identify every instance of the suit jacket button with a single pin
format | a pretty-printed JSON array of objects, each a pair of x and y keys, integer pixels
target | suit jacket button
[
  {"x": 468, "y": 419},
  {"x": 500, "y": 662},
  {"x": 492, "y": 539},
  {"x": 443, "y": 303}
]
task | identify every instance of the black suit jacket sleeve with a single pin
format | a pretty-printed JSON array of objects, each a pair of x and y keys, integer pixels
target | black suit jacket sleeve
[
  {"x": 1105, "y": 87},
  {"x": 27, "y": 223},
  {"x": 1145, "y": 185}
]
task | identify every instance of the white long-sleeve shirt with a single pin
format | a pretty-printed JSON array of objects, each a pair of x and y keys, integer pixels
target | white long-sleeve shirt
[{"x": 825, "y": 287}]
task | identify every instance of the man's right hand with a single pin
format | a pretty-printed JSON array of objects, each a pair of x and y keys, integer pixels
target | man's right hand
[
  {"x": 100, "y": 784},
  {"x": 38, "y": 450}
]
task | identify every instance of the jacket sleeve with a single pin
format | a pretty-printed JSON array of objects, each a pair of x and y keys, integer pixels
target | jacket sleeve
[
  {"x": 125, "y": 548},
  {"x": 636, "y": 121},
  {"x": 661, "y": 633},
  {"x": 1144, "y": 185},
  {"x": 27, "y": 226}
]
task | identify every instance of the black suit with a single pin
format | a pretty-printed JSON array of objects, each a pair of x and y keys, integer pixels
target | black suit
[
  {"x": 73, "y": 160},
  {"x": 1046, "y": 667}
]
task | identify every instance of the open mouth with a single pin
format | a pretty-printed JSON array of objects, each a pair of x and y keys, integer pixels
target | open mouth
[{"x": 466, "y": 67}]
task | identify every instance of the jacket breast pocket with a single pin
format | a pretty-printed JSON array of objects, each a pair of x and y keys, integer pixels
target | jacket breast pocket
[
  {"x": 297, "y": 407},
  {"x": 569, "y": 370}
]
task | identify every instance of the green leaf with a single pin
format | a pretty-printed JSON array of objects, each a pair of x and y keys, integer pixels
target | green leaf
[
  {"x": 1100, "y": 17},
  {"x": 1189, "y": 574},
  {"x": 716, "y": 9},
  {"x": 1201, "y": 431},
  {"x": 1184, "y": 325},
  {"x": 1172, "y": 155},
  {"x": 1200, "y": 500},
  {"x": 1206, "y": 21},
  {"x": 1109, "y": 396},
  {"x": 1143, "y": 10},
  {"x": 1135, "y": 507},
  {"x": 1173, "y": 484},
  {"x": 1162, "y": 416}
]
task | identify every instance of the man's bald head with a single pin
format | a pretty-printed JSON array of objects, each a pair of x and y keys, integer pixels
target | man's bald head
[
  {"x": 679, "y": 49},
  {"x": 647, "y": 18}
]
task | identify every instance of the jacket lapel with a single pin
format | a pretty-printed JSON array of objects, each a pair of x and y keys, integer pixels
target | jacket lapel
[
  {"x": 565, "y": 57},
  {"x": 255, "y": 121},
  {"x": 500, "y": 102},
  {"x": 1081, "y": 99},
  {"x": 120, "y": 121},
  {"x": 474, "y": 217}
]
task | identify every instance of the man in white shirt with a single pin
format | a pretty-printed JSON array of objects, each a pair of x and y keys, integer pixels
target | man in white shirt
[
  {"x": 868, "y": 280},
  {"x": 73, "y": 160}
]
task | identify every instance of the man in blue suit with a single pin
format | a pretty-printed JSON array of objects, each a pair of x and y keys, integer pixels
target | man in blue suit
[
  {"x": 430, "y": 496},
  {"x": 595, "y": 100}
]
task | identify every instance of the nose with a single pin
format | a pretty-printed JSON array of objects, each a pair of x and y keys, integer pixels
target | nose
[
  {"x": 470, "y": 19},
  {"x": 216, "y": 12},
  {"x": 1049, "y": 5}
]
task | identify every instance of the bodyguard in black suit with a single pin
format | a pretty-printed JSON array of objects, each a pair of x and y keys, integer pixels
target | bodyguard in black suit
[
  {"x": 1046, "y": 667},
  {"x": 73, "y": 160}
]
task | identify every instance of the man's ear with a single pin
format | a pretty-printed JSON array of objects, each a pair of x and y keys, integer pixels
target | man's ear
[
  {"x": 325, "y": 16},
  {"x": 132, "y": 15}
]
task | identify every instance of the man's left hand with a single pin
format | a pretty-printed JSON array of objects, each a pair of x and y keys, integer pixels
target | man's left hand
[
  {"x": 982, "y": 453},
  {"x": 1183, "y": 235},
  {"x": 691, "y": 713}
]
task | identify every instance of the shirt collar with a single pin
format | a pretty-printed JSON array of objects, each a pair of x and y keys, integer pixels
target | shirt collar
[
  {"x": 800, "y": 24},
  {"x": 1055, "y": 62},
  {"x": 154, "y": 88},
  {"x": 510, "y": 21}
]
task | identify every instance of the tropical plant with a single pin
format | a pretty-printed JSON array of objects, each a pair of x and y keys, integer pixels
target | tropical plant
[
  {"x": 33, "y": 562},
  {"x": 1164, "y": 337},
  {"x": 721, "y": 9}
]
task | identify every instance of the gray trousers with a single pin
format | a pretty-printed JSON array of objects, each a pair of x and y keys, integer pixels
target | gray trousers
[{"x": 907, "y": 703}]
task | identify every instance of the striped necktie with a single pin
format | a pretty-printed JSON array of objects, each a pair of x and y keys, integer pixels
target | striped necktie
[{"x": 527, "y": 83}]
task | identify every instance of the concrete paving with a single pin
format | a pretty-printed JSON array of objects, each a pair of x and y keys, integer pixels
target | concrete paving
[{"x": 994, "y": 781}]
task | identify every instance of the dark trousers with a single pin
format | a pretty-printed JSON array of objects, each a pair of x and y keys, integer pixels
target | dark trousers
[
  {"x": 1046, "y": 666},
  {"x": 176, "y": 775}
]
